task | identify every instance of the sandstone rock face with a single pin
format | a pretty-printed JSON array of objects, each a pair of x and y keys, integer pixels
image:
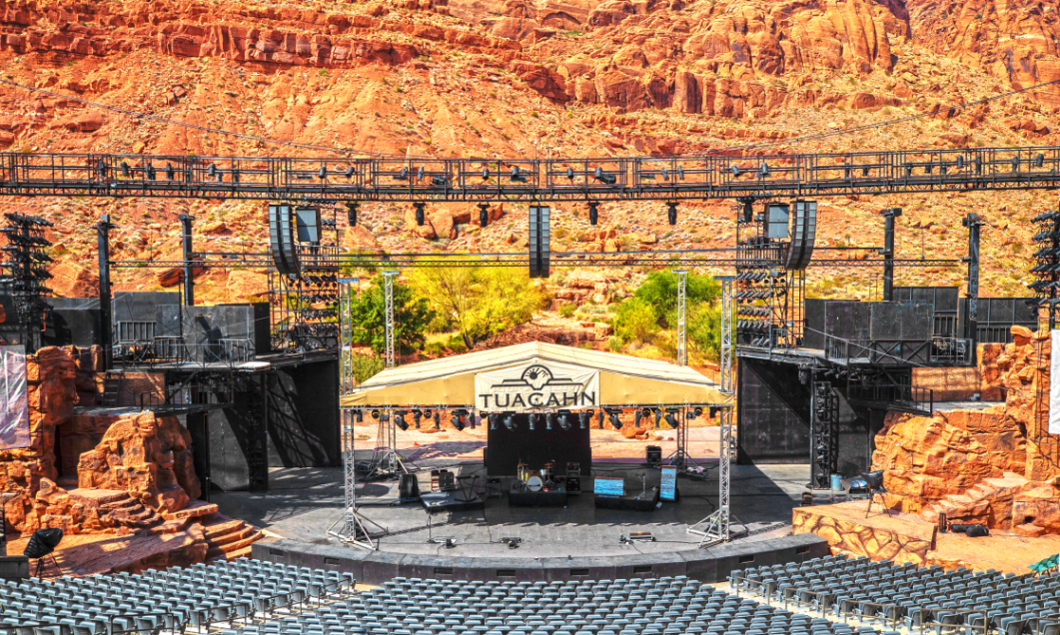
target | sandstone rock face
[
  {"x": 878, "y": 543},
  {"x": 995, "y": 466},
  {"x": 147, "y": 456}
]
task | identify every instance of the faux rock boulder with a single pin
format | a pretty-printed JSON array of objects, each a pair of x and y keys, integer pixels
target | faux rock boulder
[{"x": 150, "y": 457}]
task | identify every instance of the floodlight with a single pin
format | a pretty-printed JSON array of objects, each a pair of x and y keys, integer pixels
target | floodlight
[
  {"x": 594, "y": 213},
  {"x": 764, "y": 170},
  {"x": 681, "y": 172},
  {"x": 170, "y": 172},
  {"x": 696, "y": 412},
  {"x": 517, "y": 176},
  {"x": 483, "y": 215},
  {"x": 438, "y": 181},
  {"x": 350, "y": 171},
  {"x": 671, "y": 212},
  {"x": 210, "y": 171},
  {"x": 665, "y": 174},
  {"x": 570, "y": 173},
  {"x": 960, "y": 162},
  {"x": 125, "y": 168},
  {"x": 485, "y": 174},
  {"x": 1015, "y": 164},
  {"x": 1039, "y": 160},
  {"x": 399, "y": 419},
  {"x": 604, "y": 177},
  {"x": 564, "y": 421},
  {"x": 583, "y": 419},
  {"x": 323, "y": 173},
  {"x": 151, "y": 172},
  {"x": 351, "y": 212},
  {"x": 509, "y": 421},
  {"x": 419, "y": 174},
  {"x": 43, "y": 542},
  {"x": 671, "y": 419},
  {"x": 358, "y": 416},
  {"x": 615, "y": 421},
  {"x": 416, "y": 416},
  {"x": 402, "y": 175},
  {"x": 420, "y": 216},
  {"x": 457, "y": 420},
  {"x": 735, "y": 170}
]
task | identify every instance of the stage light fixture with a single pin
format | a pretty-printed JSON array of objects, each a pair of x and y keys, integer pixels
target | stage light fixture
[
  {"x": 211, "y": 171},
  {"x": 375, "y": 415},
  {"x": 671, "y": 418},
  {"x": 517, "y": 177},
  {"x": 1015, "y": 164},
  {"x": 960, "y": 162},
  {"x": 1039, "y": 160},
  {"x": 399, "y": 420},
  {"x": 417, "y": 415},
  {"x": 594, "y": 212},
  {"x": 563, "y": 419},
  {"x": 351, "y": 212},
  {"x": 350, "y": 171},
  {"x": 358, "y": 416},
  {"x": 570, "y": 173},
  {"x": 735, "y": 170},
  {"x": 420, "y": 173},
  {"x": 604, "y": 177},
  {"x": 124, "y": 169},
  {"x": 150, "y": 172},
  {"x": 509, "y": 421},
  {"x": 483, "y": 215},
  {"x": 600, "y": 418},
  {"x": 764, "y": 170},
  {"x": 636, "y": 418},
  {"x": 658, "y": 417},
  {"x": 457, "y": 420},
  {"x": 485, "y": 174},
  {"x": 665, "y": 175},
  {"x": 439, "y": 181},
  {"x": 671, "y": 212},
  {"x": 437, "y": 420},
  {"x": 583, "y": 419},
  {"x": 170, "y": 172},
  {"x": 323, "y": 173},
  {"x": 908, "y": 169},
  {"x": 533, "y": 420},
  {"x": 402, "y": 175},
  {"x": 696, "y": 412},
  {"x": 613, "y": 415},
  {"x": 548, "y": 420},
  {"x": 235, "y": 176},
  {"x": 420, "y": 215},
  {"x": 492, "y": 418}
]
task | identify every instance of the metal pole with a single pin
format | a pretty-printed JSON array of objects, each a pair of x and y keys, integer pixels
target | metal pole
[
  {"x": 888, "y": 252},
  {"x": 106, "y": 333},
  {"x": 971, "y": 318},
  {"x": 726, "y": 332},
  {"x": 682, "y": 353},
  {"x": 388, "y": 288},
  {"x": 189, "y": 273}
]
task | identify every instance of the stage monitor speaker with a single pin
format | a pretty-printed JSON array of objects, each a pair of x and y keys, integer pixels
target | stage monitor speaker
[
  {"x": 281, "y": 240},
  {"x": 308, "y": 223},
  {"x": 776, "y": 221},
  {"x": 654, "y": 454},
  {"x": 540, "y": 236},
  {"x": 803, "y": 234},
  {"x": 409, "y": 488}
]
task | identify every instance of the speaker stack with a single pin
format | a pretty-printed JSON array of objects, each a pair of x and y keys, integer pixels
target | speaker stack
[{"x": 281, "y": 240}]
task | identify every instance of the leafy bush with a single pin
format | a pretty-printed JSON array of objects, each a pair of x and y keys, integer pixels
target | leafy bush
[
  {"x": 364, "y": 367},
  {"x": 567, "y": 309},
  {"x": 411, "y": 317},
  {"x": 635, "y": 320}
]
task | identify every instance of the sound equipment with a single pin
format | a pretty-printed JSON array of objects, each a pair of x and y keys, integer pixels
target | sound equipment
[
  {"x": 41, "y": 545},
  {"x": 446, "y": 481},
  {"x": 281, "y": 241},
  {"x": 807, "y": 499},
  {"x": 308, "y": 224},
  {"x": 540, "y": 237},
  {"x": 972, "y": 530},
  {"x": 574, "y": 478},
  {"x": 653, "y": 454},
  {"x": 804, "y": 232},
  {"x": 776, "y": 221},
  {"x": 408, "y": 489}
]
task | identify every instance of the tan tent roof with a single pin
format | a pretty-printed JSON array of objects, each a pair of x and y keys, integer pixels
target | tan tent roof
[{"x": 450, "y": 381}]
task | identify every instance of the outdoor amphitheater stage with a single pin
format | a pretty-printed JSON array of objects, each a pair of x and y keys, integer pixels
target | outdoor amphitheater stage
[{"x": 303, "y": 504}]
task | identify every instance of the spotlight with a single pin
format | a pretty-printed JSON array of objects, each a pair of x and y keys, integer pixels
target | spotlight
[
  {"x": 594, "y": 212},
  {"x": 438, "y": 181},
  {"x": 420, "y": 216},
  {"x": 170, "y": 172},
  {"x": 960, "y": 162},
  {"x": 517, "y": 177},
  {"x": 548, "y": 420},
  {"x": 615, "y": 421},
  {"x": 416, "y": 416},
  {"x": 457, "y": 420},
  {"x": 1015, "y": 164},
  {"x": 509, "y": 421},
  {"x": 564, "y": 420},
  {"x": 570, "y": 173},
  {"x": 375, "y": 415},
  {"x": 696, "y": 412},
  {"x": 483, "y": 215},
  {"x": 1039, "y": 160},
  {"x": 350, "y": 171},
  {"x": 358, "y": 416},
  {"x": 658, "y": 417},
  {"x": 492, "y": 418},
  {"x": 150, "y": 172},
  {"x": 437, "y": 420},
  {"x": 583, "y": 419},
  {"x": 764, "y": 170},
  {"x": 600, "y": 418},
  {"x": 681, "y": 172},
  {"x": 399, "y": 420},
  {"x": 735, "y": 170},
  {"x": 533, "y": 420},
  {"x": 604, "y": 177},
  {"x": 420, "y": 174},
  {"x": 671, "y": 419},
  {"x": 485, "y": 174},
  {"x": 671, "y": 212},
  {"x": 402, "y": 175},
  {"x": 323, "y": 173},
  {"x": 210, "y": 171},
  {"x": 636, "y": 418},
  {"x": 665, "y": 174},
  {"x": 125, "y": 168},
  {"x": 351, "y": 212}
]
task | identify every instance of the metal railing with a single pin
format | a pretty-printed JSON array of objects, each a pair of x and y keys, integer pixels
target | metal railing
[
  {"x": 951, "y": 350},
  {"x": 913, "y": 397}
]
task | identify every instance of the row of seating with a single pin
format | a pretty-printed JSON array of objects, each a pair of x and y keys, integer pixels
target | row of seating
[
  {"x": 197, "y": 596},
  {"x": 918, "y": 597}
]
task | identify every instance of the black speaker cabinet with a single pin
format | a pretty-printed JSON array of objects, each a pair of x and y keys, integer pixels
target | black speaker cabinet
[
  {"x": 653, "y": 454},
  {"x": 409, "y": 488}
]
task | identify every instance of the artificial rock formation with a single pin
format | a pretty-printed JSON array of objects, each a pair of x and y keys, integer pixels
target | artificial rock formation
[{"x": 997, "y": 466}]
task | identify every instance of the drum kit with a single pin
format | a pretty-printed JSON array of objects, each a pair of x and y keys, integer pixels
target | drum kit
[{"x": 536, "y": 480}]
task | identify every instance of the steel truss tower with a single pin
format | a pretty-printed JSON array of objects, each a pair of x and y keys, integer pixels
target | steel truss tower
[
  {"x": 356, "y": 529},
  {"x": 717, "y": 524}
]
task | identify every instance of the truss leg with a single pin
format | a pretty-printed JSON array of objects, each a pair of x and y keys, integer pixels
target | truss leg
[{"x": 356, "y": 529}]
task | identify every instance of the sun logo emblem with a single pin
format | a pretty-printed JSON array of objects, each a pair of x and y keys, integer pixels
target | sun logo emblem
[{"x": 537, "y": 376}]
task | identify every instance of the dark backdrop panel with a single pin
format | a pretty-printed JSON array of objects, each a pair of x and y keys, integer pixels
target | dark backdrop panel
[
  {"x": 304, "y": 424},
  {"x": 506, "y": 449},
  {"x": 64, "y": 327},
  {"x": 237, "y": 454},
  {"x": 773, "y": 415},
  {"x": 813, "y": 334},
  {"x": 141, "y": 306}
]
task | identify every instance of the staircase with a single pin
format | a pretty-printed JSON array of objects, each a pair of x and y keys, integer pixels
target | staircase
[
  {"x": 989, "y": 502},
  {"x": 229, "y": 539},
  {"x": 111, "y": 390}
]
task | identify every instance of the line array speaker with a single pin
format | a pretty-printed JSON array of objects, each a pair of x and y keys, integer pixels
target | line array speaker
[
  {"x": 804, "y": 231},
  {"x": 540, "y": 234},
  {"x": 281, "y": 240}
]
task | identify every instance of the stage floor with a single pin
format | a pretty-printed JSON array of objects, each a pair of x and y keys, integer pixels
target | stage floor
[{"x": 303, "y": 504}]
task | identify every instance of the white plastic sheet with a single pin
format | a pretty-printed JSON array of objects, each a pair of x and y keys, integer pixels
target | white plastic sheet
[{"x": 14, "y": 405}]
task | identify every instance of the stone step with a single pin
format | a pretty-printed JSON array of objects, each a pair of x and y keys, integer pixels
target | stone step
[
  {"x": 196, "y": 509},
  {"x": 213, "y": 532},
  {"x": 230, "y": 537},
  {"x": 252, "y": 536}
]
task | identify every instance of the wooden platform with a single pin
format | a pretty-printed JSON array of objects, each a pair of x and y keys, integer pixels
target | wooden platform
[{"x": 889, "y": 535}]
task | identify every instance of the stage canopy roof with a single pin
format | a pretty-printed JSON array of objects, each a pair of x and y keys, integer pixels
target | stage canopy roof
[{"x": 536, "y": 376}]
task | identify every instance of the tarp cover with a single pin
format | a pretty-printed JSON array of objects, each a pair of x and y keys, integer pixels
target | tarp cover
[
  {"x": 14, "y": 407},
  {"x": 536, "y": 376}
]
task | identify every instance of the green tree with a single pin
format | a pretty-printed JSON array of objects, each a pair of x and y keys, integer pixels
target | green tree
[
  {"x": 478, "y": 301},
  {"x": 659, "y": 290},
  {"x": 635, "y": 320},
  {"x": 411, "y": 317}
]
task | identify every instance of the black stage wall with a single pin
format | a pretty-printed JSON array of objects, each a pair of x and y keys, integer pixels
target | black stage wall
[
  {"x": 295, "y": 423},
  {"x": 506, "y": 448},
  {"x": 773, "y": 419}
]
